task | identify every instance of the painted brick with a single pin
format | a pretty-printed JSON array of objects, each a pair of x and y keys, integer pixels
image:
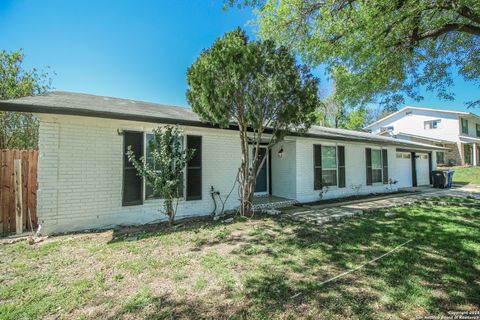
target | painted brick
[{"x": 80, "y": 173}]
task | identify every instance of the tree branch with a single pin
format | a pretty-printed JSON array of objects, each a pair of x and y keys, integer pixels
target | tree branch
[
  {"x": 468, "y": 13},
  {"x": 449, "y": 27}
]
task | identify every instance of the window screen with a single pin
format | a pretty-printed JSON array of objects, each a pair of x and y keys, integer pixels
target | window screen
[
  {"x": 376, "y": 166},
  {"x": 329, "y": 165}
]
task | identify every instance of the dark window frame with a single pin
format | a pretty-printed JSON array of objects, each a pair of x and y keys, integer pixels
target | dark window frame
[
  {"x": 190, "y": 169},
  {"x": 464, "y": 128},
  {"x": 125, "y": 168},
  {"x": 317, "y": 167}
]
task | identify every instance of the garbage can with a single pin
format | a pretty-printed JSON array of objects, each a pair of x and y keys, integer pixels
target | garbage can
[
  {"x": 440, "y": 179},
  {"x": 450, "y": 178}
]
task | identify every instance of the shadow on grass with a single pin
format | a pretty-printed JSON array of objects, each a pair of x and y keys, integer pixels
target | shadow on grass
[{"x": 435, "y": 273}]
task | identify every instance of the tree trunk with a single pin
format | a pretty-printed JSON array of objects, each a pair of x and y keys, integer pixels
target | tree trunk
[
  {"x": 170, "y": 211},
  {"x": 248, "y": 174}
]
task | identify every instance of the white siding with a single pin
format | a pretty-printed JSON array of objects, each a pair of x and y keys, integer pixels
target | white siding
[
  {"x": 472, "y": 128},
  {"x": 448, "y": 128}
]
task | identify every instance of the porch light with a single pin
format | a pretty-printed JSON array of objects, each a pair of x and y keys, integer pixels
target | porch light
[{"x": 280, "y": 152}]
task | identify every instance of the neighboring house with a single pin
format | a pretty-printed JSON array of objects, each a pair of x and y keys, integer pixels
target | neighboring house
[
  {"x": 85, "y": 180},
  {"x": 458, "y": 132}
]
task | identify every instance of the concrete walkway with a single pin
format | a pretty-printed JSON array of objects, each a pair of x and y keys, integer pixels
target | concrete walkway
[{"x": 320, "y": 214}]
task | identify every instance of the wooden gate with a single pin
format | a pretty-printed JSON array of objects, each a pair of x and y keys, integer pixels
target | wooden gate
[{"x": 29, "y": 161}]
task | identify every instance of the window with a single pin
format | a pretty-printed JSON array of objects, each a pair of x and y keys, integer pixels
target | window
[
  {"x": 132, "y": 189},
  {"x": 431, "y": 124},
  {"x": 386, "y": 129},
  {"x": 464, "y": 126},
  {"x": 194, "y": 169},
  {"x": 477, "y": 126},
  {"x": 376, "y": 166},
  {"x": 440, "y": 157},
  {"x": 149, "y": 149},
  {"x": 408, "y": 113},
  {"x": 329, "y": 166},
  {"x": 403, "y": 155}
]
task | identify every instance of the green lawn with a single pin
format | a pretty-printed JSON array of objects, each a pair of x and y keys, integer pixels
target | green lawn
[
  {"x": 466, "y": 175},
  {"x": 255, "y": 269}
]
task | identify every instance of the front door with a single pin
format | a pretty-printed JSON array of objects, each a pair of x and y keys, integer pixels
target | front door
[
  {"x": 261, "y": 186},
  {"x": 467, "y": 154}
]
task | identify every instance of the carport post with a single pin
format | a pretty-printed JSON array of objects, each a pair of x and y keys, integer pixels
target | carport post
[{"x": 475, "y": 154}]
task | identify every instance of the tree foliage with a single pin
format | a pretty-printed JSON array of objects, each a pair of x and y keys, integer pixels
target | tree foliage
[
  {"x": 19, "y": 130},
  {"x": 379, "y": 50},
  {"x": 257, "y": 87},
  {"x": 164, "y": 166}
]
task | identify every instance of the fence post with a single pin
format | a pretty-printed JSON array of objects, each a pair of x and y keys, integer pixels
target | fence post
[{"x": 17, "y": 171}]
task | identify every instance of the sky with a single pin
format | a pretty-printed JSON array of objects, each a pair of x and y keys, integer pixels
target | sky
[{"x": 135, "y": 49}]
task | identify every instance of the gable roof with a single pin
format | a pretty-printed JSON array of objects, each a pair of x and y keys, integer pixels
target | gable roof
[
  {"x": 80, "y": 104},
  {"x": 470, "y": 114}
]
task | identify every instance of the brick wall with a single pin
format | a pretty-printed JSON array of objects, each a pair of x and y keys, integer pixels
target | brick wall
[{"x": 80, "y": 174}]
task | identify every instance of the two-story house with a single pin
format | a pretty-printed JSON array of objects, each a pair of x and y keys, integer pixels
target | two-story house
[{"x": 458, "y": 132}]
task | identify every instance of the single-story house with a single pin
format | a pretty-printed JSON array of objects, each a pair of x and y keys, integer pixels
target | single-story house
[{"x": 85, "y": 180}]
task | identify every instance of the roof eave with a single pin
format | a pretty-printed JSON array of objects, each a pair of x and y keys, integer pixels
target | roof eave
[{"x": 42, "y": 109}]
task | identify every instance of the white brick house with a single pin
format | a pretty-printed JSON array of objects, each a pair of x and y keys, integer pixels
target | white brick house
[
  {"x": 85, "y": 183},
  {"x": 458, "y": 132}
]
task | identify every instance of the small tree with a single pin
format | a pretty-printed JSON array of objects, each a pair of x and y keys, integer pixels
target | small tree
[
  {"x": 163, "y": 167},
  {"x": 258, "y": 88}
]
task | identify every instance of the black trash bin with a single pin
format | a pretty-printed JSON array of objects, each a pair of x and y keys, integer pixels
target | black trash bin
[{"x": 439, "y": 179}]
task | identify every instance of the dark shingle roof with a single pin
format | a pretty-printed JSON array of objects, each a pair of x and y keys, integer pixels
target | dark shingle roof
[
  {"x": 60, "y": 102},
  {"x": 80, "y": 104}
]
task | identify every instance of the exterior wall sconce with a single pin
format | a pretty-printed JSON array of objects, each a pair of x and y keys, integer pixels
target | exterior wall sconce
[{"x": 280, "y": 152}]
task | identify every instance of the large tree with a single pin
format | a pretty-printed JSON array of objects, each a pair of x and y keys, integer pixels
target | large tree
[
  {"x": 19, "y": 130},
  {"x": 257, "y": 87},
  {"x": 380, "y": 50}
]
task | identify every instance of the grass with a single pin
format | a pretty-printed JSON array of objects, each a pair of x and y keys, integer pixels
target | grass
[
  {"x": 255, "y": 269},
  {"x": 466, "y": 175}
]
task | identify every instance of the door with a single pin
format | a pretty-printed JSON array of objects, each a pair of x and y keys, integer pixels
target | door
[
  {"x": 423, "y": 169},
  {"x": 467, "y": 154},
  {"x": 403, "y": 169},
  {"x": 261, "y": 186}
]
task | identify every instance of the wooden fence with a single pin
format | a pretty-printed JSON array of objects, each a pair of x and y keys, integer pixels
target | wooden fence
[{"x": 11, "y": 203}]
